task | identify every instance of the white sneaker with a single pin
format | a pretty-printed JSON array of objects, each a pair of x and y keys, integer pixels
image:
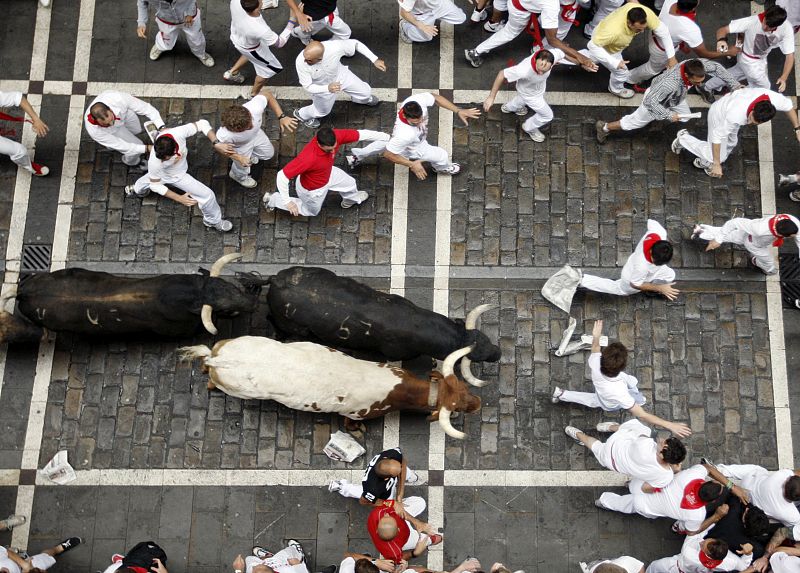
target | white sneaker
[
  {"x": 155, "y": 53},
  {"x": 247, "y": 182},
  {"x": 700, "y": 164},
  {"x": 360, "y": 198},
  {"x": 572, "y": 432},
  {"x": 267, "y": 4},
  {"x": 206, "y": 60},
  {"x": 411, "y": 476},
  {"x": 676, "y": 144},
  {"x": 336, "y": 485},
  {"x": 624, "y": 93},
  {"x": 223, "y": 226},
  {"x": 45, "y": 3},
  {"x": 236, "y": 78},
  {"x": 505, "y": 109},
  {"x": 494, "y": 26},
  {"x": 13, "y": 520},
  {"x": 606, "y": 427},
  {"x": 265, "y": 199},
  {"x": 403, "y": 36},
  {"x": 556, "y": 397},
  {"x": 479, "y": 15},
  {"x": 536, "y": 135},
  {"x": 452, "y": 169},
  {"x": 784, "y": 180},
  {"x": 352, "y": 161}
]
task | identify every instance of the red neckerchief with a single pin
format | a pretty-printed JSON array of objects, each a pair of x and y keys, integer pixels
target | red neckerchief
[
  {"x": 533, "y": 24},
  {"x": 761, "y": 17},
  {"x": 691, "y": 14},
  {"x": 177, "y": 147},
  {"x": 772, "y": 222},
  {"x": 709, "y": 563},
  {"x": 572, "y": 9},
  {"x": 691, "y": 495},
  {"x": 93, "y": 121},
  {"x": 401, "y": 115},
  {"x": 684, "y": 77},
  {"x": 753, "y": 103},
  {"x": 533, "y": 61},
  {"x": 649, "y": 240}
]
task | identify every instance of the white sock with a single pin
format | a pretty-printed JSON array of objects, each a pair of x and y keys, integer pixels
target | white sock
[{"x": 605, "y": 128}]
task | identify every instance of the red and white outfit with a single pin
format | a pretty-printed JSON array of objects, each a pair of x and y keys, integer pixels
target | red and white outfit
[
  {"x": 680, "y": 500},
  {"x": 630, "y": 450},
  {"x": 692, "y": 559},
  {"x": 411, "y": 141},
  {"x": 566, "y": 18},
  {"x": 174, "y": 172},
  {"x": 725, "y": 117},
  {"x": 685, "y": 34},
  {"x": 316, "y": 78},
  {"x": 757, "y": 236},
  {"x": 638, "y": 269},
  {"x": 253, "y": 37},
  {"x": 629, "y": 564},
  {"x": 523, "y": 14},
  {"x": 407, "y": 537},
  {"x": 602, "y": 9},
  {"x": 316, "y": 175},
  {"x": 766, "y": 490},
  {"x": 751, "y": 61},
  {"x": 170, "y": 17},
  {"x": 278, "y": 562},
  {"x": 252, "y": 143},
  {"x": 531, "y": 86},
  {"x": 39, "y": 561},
  {"x": 620, "y": 392},
  {"x": 122, "y": 135},
  {"x": 428, "y": 12},
  {"x": 15, "y": 150}
]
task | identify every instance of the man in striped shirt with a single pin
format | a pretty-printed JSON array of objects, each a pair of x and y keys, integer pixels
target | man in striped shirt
[{"x": 666, "y": 98}]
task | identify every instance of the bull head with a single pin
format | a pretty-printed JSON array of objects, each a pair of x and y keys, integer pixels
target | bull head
[
  {"x": 17, "y": 329},
  {"x": 469, "y": 324},
  {"x": 216, "y": 270},
  {"x": 453, "y": 394}
]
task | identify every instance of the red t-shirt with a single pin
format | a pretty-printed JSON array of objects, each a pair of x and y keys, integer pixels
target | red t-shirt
[
  {"x": 314, "y": 165},
  {"x": 390, "y": 549}
]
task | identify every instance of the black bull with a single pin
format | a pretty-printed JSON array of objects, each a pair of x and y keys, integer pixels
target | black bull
[{"x": 310, "y": 302}]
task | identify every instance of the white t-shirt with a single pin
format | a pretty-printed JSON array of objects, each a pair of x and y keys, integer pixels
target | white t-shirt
[
  {"x": 10, "y": 99},
  {"x": 689, "y": 558},
  {"x": 730, "y": 112},
  {"x": 667, "y": 503},
  {"x": 278, "y": 562},
  {"x": 406, "y": 138},
  {"x": 256, "y": 107},
  {"x": 41, "y": 561},
  {"x": 247, "y": 32},
  {"x": 681, "y": 28},
  {"x": 612, "y": 392},
  {"x": 638, "y": 269},
  {"x": 171, "y": 169},
  {"x": 548, "y": 10},
  {"x": 766, "y": 488},
  {"x": 529, "y": 82},
  {"x": 630, "y": 450},
  {"x": 630, "y": 564},
  {"x": 757, "y": 42}
]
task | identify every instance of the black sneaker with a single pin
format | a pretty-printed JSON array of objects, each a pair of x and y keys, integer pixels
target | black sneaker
[
  {"x": 261, "y": 553},
  {"x": 296, "y": 544},
  {"x": 70, "y": 543}
]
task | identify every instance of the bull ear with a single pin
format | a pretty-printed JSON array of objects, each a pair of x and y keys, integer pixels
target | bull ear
[
  {"x": 460, "y": 322},
  {"x": 204, "y": 272},
  {"x": 434, "y": 416}
]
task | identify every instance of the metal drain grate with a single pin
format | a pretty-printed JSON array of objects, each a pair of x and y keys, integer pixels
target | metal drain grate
[
  {"x": 35, "y": 259},
  {"x": 790, "y": 279}
]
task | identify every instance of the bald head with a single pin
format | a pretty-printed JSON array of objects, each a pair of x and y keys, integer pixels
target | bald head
[
  {"x": 387, "y": 528},
  {"x": 388, "y": 468},
  {"x": 313, "y": 52}
]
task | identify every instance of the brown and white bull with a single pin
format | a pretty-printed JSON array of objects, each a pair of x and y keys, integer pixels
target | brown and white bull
[{"x": 314, "y": 378}]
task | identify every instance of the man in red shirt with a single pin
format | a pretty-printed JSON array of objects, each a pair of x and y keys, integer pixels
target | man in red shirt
[
  {"x": 316, "y": 174},
  {"x": 397, "y": 538}
]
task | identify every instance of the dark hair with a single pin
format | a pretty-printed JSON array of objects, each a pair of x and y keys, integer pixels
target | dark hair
[
  {"x": 763, "y": 111},
  {"x": 250, "y": 5},
  {"x": 791, "y": 489},
  {"x": 661, "y": 252},
  {"x": 545, "y": 55},
  {"x": 236, "y": 118},
  {"x": 165, "y": 147},
  {"x": 637, "y": 16},
  {"x": 694, "y": 68},
  {"x": 774, "y": 16},
  {"x": 756, "y": 522},
  {"x": 674, "y": 451},
  {"x": 364, "y": 565},
  {"x": 786, "y": 228},
  {"x": 716, "y": 548},
  {"x": 710, "y": 491},
  {"x": 608, "y": 568},
  {"x": 326, "y": 136},
  {"x": 412, "y": 110},
  {"x": 99, "y": 110},
  {"x": 687, "y": 5},
  {"x": 613, "y": 359}
]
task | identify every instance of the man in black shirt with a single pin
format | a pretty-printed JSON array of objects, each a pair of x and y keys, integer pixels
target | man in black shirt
[
  {"x": 384, "y": 479},
  {"x": 315, "y": 16},
  {"x": 745, "y": 528}
]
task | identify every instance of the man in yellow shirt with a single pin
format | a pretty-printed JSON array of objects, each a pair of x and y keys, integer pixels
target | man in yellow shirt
[{"x": 615, "y": 33}]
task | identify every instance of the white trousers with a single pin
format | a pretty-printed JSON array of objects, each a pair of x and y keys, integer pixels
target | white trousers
[
  {"x": 603, "y": 9},
  {"x": 434, "y": 155},
  {"x": 322, "y": 104},
  {"x": 355, "y": 490},
  {"x": 783, "y": 563},
  {"x": 746, "y": 68},
  {"x": 652, "y": 67},
  {"x": 337, "y": 27},
  {"x": 17, "y": 153},
  {"x": 310, "y": 202},
  {"x": 702, "y": 149},
  {"x": 664, "y": 565},
  {"x": 622, "y": 286},
  {"x": 590, "y": 400},
  {"x": 128, "y": 129},
  {"x": 264, "y": 61},
  {"x": 414, "y": 505},
  {"x": 279, "y": 561},
  {"x": 259, "y": 148},
  {"x": 763, "y": 255},
  {"x": 641, "y": 117},
  {"x": 517, "y": 22},
  {"x": 618, "y": 76},
  {"x": 371, "y": 150},
  {"x": 168, "y": 35},
  {"x": 206, "y": 200},
  {"x": 543, "y": 114},
  {"x": 446, "y": 11}
]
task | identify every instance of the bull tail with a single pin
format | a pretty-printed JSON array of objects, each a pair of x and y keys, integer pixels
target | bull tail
[{"x": 189, "y": 353}]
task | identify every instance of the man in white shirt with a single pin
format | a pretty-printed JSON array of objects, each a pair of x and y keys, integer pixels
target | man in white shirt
[
  {"x": 700, "y": 555},
  {"x": 757, "y": 236},
  {"x": 623, "y": 564},
  {"x": 253, "y": 37},
  {"x": 762, "y": 33},
  {"x": 12, "y": 562},
  {"x": 630, "y": 450},
  {"x": 418, "y": 18},
  {"x": 289, "y": 560},
  {"x": 747, "y": 106},
  {"x": 168, "y": 165},
  {"x": 16, "y": 151},
  {"x": 323, "y": 76},
  {"x": 530, "y": 76},
  {"x": 174, "y": 16},
  {"x": 679, "y": 17},
  {"x": 111, "y": 120},
  {"x": 243, "y": 139},
  {"x": 645, "y": 270}
]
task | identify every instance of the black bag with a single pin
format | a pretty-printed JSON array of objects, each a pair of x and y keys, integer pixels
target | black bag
[{"x": 144, "y": 555}]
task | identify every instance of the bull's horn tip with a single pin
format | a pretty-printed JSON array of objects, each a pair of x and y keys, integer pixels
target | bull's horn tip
[{"x": 466, "y": 373}]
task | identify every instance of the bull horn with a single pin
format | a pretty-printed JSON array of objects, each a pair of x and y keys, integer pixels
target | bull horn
[
  {"x": 472, "y": 317},
  {"x": 6, "y": 298},
  {"x": 216, "y": 268},
  {"x": 452, "y": 358},
  {"x": 466, "y": 373},
  {"x": 444, "y": 422},
  {"x": 205, "y": 316}
]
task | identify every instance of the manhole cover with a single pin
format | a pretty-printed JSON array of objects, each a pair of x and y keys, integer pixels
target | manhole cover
[
  {"x": 35, "y": 259},
  {"x": 790, "y": 279}
]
